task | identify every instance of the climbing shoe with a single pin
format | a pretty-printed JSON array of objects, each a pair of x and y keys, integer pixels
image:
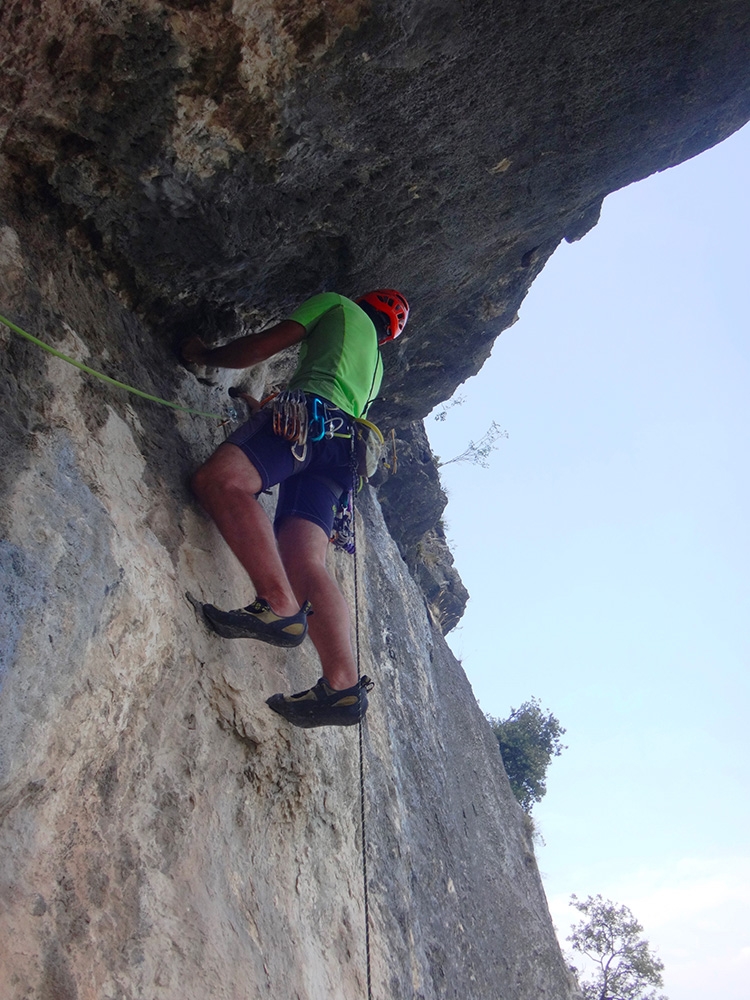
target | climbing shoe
[
  {"x": 322, "y": 706},
  {"x": 258, "y": 621}
]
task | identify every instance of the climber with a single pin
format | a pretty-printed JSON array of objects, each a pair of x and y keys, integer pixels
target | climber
[{"x": 304, "y": 442}]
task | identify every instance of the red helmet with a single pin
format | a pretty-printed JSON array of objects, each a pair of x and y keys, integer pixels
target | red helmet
[{"x": 393, "y": 305}]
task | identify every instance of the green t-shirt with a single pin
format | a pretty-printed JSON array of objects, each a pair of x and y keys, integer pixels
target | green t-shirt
[{"x": 339, "y": 358}]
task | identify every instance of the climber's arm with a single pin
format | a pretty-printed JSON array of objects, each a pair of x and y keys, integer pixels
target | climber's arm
[{"x": 245, "y": 351}]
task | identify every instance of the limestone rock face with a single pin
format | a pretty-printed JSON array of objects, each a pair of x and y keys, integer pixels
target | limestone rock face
[
  {"x": 162, "y": 833},
  {"x": 218, "y": 161},
  {"x": 204, "y": 165}
]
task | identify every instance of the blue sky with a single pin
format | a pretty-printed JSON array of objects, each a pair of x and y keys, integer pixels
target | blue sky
[{"x": 607, "y": 552}]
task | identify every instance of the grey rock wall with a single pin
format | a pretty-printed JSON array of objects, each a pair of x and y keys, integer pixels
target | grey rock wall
[
  {"x": 162, "y": 833},
  {"x": 199, "y": 165},
  {"x": 217, "y": 161}
]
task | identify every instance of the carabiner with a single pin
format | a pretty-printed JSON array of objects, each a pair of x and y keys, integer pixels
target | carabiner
[{"x": 318, "y": 420}]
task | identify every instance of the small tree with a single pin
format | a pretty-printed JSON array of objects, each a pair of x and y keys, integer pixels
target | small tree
[
  {"x": 610, "y": 936},
  {"x": 478, "y": 452},
  {"x": 528, "y": 740}
]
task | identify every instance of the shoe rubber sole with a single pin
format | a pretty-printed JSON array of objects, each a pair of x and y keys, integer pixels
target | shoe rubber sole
[
  {"x": 235, "y": 625},
  {"x": 310, "y": 710},
  {"x": 314, "y": 716}
]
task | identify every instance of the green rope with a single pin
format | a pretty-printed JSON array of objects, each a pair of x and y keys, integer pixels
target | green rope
[{"x": 106, "y": 378}]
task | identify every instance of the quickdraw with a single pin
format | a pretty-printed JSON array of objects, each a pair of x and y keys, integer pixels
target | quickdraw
[
  {"x": 289, "y": 410},
  {"x": 298, "y": 424},
  {"x": 342, "y": 532},
  {"x": 290, "y": 420}
]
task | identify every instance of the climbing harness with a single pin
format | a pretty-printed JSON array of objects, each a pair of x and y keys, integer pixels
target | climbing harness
[
  {"x": 368, "y": 447},
  {"x": 105, "y": 378},
  {"x": 299, "y": 418},
  {"x": 304, "y": 419}
]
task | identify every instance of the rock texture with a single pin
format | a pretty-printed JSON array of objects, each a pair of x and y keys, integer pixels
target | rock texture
[
  {"x": 232, "y": 157},
  {"x": 205, "y": 164},
  {"x": 162, "y": 834}
]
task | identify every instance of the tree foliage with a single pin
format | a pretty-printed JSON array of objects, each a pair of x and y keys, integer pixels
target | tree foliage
[
  {"x": 528, "y": 740},
  {"x": 624, "y": 966}
]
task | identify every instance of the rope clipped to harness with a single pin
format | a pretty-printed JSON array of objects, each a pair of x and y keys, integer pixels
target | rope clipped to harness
[
  {"x": 367, "y": 456},
  {"x": 368, "y": 683}
]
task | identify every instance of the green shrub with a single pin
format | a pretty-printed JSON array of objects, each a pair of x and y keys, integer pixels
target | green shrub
[{"x": 528, "y": 740}]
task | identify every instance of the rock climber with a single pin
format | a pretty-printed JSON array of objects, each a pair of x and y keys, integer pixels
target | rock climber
[{"x": 302, "y": 441}]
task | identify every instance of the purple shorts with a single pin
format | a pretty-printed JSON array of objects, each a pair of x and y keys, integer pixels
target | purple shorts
[{"x": 310, "y": 489}]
